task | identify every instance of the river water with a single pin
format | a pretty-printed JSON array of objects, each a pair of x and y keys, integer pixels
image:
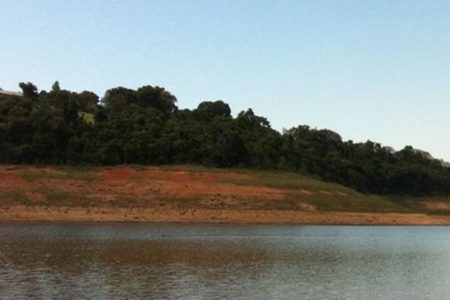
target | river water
[{"x": 128, "y": 261}]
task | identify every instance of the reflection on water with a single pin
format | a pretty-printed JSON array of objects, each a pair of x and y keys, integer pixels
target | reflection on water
[{"x": 106, "y": 261}]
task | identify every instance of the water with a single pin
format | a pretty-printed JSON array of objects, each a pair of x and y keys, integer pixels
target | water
[{"x": 104, "y": 261}]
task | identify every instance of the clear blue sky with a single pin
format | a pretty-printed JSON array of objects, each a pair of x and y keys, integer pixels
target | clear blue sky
[{"x": 376, "y": 70}]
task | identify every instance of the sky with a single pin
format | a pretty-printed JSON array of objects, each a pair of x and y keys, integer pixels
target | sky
[{"x": 377, "y": 70}]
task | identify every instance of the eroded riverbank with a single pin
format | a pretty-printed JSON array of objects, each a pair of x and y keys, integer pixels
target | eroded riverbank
[
  {"x": 187, "y": 194},
  {"x": 109, "y": 214}
]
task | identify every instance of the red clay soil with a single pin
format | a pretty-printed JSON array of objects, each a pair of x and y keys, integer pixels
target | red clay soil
[
  {"x": 110, "y": 214},
  {"x": 164, "y": 195}
]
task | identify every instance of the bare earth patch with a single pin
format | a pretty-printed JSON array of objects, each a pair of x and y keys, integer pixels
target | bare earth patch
[
  {"x": 98, "y": 214},
  {"x": 149, "y": 194}
]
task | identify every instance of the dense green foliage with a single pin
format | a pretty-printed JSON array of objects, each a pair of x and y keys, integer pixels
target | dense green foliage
[{"x": 145, "y": 126}]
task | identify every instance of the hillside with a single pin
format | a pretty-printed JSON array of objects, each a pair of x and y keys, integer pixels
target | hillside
[
  {"x": 145, "y": 126},
  {"x": 197, "y": 194}
]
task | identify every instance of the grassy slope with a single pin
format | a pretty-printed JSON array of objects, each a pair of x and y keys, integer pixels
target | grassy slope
[
  {"x": 324, "y": 195},
  {"x": 82, "y": 187}
]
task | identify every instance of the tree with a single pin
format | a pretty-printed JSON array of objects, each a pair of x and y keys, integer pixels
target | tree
[
  {"x": 156, "y": 97},
  {"x": 118, "y": 99},
  {"x": 29, "y": 90},
  {"x": 88, "y": 101},
  {"x": 213, "y": 109},
  {"x": 56, "y": 87}
]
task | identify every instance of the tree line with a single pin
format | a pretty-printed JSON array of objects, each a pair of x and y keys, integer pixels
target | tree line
[{"x": 145, "y": 126}]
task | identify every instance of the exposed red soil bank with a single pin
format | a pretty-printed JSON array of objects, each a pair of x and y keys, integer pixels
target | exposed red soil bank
[
  {"x": 170, "y": 195},
  {"x": 78, "y": 214}
]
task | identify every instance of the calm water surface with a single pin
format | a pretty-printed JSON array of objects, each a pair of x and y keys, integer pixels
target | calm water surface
[{"x": 103, "y": 261}]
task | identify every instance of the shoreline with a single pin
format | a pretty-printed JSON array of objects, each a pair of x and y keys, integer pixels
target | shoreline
[
  {"x": 19, "y": 214},
  {"x": 191, "y": 195}
]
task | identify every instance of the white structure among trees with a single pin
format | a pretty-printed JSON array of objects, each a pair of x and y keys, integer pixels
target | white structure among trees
[{"x": 10, "y": 93}]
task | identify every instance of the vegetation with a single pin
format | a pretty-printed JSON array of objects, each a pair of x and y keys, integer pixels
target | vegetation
[
  {"x": 145, "y": 126},
  {"x": 195, "y": 188}
]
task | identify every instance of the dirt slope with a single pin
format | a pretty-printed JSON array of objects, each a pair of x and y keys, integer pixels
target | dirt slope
[{"x": 191, "y": 194}]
